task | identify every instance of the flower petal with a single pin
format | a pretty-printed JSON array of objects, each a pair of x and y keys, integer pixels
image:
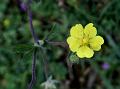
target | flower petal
[
  {"x": 73, "y": 43},
  {"x": 96, "y": 42},
  {"x": 77, "y": 31},
  {"x": 90, "y": 31},
  {"x": 85, "y": 51}
]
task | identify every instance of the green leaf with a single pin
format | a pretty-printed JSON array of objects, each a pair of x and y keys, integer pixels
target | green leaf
[
  {"x": 58, "y": 70},
  {"x": 23, "y": 48}
]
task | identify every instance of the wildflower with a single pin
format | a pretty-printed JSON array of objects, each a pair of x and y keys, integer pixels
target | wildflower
[
  {"x": 105, "y": 66},
  {"x": 84, "y": 41},
  {"x": 6, "y": 22},
  {"x": 49, "y": 84},
  {"x": 23, "y": 7}
]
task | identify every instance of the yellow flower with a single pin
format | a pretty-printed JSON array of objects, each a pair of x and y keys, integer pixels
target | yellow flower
[
  {"x": 6, "y": 22},
  {"x": 84, "y": 41}
]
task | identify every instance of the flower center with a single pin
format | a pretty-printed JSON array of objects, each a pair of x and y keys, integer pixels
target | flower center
[{"x": 84, "y": 41}]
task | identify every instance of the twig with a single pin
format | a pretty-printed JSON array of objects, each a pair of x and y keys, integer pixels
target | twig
[
  {"x": 36, "y": 41},
  {"x": 91, "y": 79},
  {"x": 33, "y": 70},
  {"x": 69, "y": 65},
  {"x": 57, "y": 43},
  {"x": 31, "y": 23}
]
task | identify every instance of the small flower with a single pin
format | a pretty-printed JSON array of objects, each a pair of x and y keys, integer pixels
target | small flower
[
  {"x": 23, "y": 7},
  {"x": 6, "y": 22},
  {"x": 105, "y": 66},
  {"x": 49, "y": 84},
  {"x": 83, "y": 41}
]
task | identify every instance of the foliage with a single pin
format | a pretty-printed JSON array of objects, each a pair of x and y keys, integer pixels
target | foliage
[{"x": 16, "y": 43}]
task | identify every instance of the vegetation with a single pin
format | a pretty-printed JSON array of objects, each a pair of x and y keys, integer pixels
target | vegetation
[{"x": 55, "y": 64}]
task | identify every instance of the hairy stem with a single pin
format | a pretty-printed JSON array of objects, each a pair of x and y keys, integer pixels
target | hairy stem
[
  {"x": 33, "y": 70},
  {"x": 36, "y": 40},
  {"x": 57, "y": 43},
  {"x": 31, "y": 23},
  {"x": 69, "y": 65}
]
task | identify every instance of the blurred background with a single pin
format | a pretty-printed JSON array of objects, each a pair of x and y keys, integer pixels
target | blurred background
[{"x": 100, "y": 72}]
